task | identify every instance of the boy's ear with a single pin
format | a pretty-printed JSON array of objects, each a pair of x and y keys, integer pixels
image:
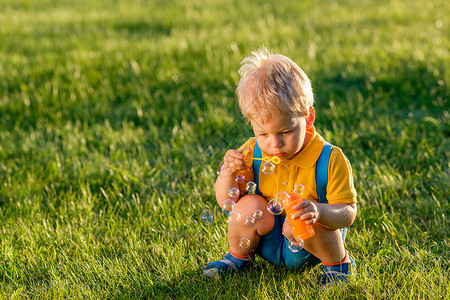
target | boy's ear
[{"x": 310, "y": 118}]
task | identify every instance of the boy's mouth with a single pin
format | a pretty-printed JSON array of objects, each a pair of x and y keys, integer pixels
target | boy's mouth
[{"x": 279, "y": 154}]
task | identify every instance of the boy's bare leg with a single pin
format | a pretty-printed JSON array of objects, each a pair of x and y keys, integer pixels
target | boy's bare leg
[
  {"x": 246, "y": 206},
  {"x": 326, "y": 244}
]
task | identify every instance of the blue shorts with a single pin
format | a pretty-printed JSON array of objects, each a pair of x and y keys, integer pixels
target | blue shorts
[{"x": 274, "y": 248}]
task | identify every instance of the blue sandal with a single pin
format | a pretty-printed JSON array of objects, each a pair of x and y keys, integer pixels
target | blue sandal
[
  {"x": 333, "y": 275},
  {"x": 229, "y": 263}
]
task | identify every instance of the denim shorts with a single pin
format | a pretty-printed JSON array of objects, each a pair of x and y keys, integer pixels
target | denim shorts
[{"x": 274, "y": 248}]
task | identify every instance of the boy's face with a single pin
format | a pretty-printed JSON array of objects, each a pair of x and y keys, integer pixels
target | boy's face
[{"x": 282, "y": 135}]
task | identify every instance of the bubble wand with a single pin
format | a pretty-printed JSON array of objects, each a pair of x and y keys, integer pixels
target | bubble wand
[{"x": 274, "y": 159}]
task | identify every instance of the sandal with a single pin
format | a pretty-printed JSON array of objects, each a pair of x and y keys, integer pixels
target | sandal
[
  {"x": 229, "y": 263},
  {"x": 334, "y": 275}
]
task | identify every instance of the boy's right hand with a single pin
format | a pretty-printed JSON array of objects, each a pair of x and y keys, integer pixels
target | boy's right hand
[{"x": 234, "y": 161}]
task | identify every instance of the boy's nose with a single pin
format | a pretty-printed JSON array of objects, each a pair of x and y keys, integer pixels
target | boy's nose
[{"x": 276, "y": 142}]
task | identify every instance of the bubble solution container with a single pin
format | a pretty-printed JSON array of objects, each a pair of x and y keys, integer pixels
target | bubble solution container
[{"x": 301, "y": 229}]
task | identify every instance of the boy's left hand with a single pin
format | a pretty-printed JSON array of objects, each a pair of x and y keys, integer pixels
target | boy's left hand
[{"x": 308, "y": 211}]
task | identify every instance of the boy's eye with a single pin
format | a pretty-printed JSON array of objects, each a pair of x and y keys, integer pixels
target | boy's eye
[
  {"x": 286, "y": 132},
  {"x": 263, "y": 134}
]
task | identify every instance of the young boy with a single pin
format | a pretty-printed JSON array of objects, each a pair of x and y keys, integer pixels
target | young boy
[{"x": 275, "y": 95}]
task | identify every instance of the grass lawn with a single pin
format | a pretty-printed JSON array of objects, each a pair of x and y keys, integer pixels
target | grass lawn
[{"x": 114, "y": 116}]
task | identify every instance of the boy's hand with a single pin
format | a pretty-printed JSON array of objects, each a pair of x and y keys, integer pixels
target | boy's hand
[
  {"x": 234, "y": 161},
  {"x": 308, "y": 211},
  {"x": 287, "y": 230}
]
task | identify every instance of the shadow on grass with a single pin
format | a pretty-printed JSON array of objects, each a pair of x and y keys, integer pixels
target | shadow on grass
[{"x": 260, "y": 279}]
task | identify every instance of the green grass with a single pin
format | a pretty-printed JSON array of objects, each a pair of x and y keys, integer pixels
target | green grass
[{"x": 114, "y": 116}]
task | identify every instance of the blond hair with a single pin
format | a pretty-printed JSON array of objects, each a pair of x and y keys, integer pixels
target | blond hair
[{"x": 271, "y": 84}]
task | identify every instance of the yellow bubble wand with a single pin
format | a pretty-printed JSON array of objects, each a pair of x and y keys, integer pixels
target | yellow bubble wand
[{"x": 274, "y": 159}]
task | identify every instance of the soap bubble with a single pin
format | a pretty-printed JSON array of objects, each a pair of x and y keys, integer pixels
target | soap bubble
[
  {"x": 268, "y": 168},
  {"x": 234, "y": 218},
  {"x": 283, "y": 197},
  {"x": 251, "y": 187},
  {"x": 295, "y": 245},
  {"x": 233, "y": 192},
  {"x": 244, "y": 243},
  {"x": 240, "y": 178},
  {"x": 207, "y": 217},
  {"x": 228, "y": 204},
  {"x": 257, "y": 214},
  {"x": 274, "y": 207},
  {"x": 299, "y": 189},
  {"x": 250, "y": 221},
  {"x": 223, "y": 170}
]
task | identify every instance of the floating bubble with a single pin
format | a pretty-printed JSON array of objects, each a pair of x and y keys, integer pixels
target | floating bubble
[
  {"x": 257, "y": 214},
  {"x": 244, "y": 243},
  {"x": 234, "y": 218},
  {"x": 295, "y": 245},
  {"x": 240, "y": 178},
  {"x": 207, "y": 217},
  {"x": 228, "y": 204},
  {"x": 283, "y": 198},
  {"x": 251, "y": 187},
  {"x": 299, "y": 189},
  {"x": 268, "y": 168},
  {"x": 274, "y": 207},
  {"x": 250, "y": 221},
  {"x": 223, "y": 170},
  {"x": 233, "y": 192}
]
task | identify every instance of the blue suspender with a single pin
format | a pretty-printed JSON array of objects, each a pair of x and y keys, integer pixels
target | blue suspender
[
  {"x": 256, "y": 166},
  {"x": 321, "y": 170}
]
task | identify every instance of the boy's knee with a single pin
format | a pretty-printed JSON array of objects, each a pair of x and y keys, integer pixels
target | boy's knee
[
  {"x": 250, "y": 203},
  {"x": 255, "y": 206}
]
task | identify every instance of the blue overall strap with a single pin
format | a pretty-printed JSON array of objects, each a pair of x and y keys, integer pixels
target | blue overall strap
[
  {"x": 322, "y": 172},
  {"x": 257, "y": 165}
]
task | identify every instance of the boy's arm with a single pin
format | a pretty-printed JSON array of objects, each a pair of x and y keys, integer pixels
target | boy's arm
[
  {"x": 336, "y": 216},
  {"x": 224, "y": 183},
  {"x": 331, "y": 216},
  {"x": 234, "y": 161}
]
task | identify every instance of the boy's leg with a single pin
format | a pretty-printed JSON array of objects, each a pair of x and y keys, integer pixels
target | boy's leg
[
  {"x": 328, "y": 246},
  {"x": 275, "y": 248},
  {"x": 240, "y": 255},
  {"x": 246, "y": 207}
]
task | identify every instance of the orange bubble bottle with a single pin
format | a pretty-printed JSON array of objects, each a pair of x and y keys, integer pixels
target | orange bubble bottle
[{"x": 301, "y": 230}]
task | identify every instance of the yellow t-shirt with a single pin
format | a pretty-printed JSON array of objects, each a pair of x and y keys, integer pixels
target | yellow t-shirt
[{"x": 302, "y": 169}]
